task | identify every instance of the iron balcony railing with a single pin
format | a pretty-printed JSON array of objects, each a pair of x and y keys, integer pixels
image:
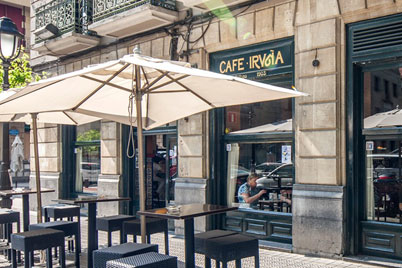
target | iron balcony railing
[
  {"x": 106, "y": 8},
  {"x": 66, "y": 15}
]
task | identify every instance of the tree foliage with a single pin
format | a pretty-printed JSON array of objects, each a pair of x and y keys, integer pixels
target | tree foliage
[{"x": 20, "y": 73}]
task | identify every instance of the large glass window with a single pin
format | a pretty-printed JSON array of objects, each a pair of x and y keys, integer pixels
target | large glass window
[
  {"x": 382, "y": 119},
  {"x": 272, "y": 163},
  {"x": 88, "y": 158}
]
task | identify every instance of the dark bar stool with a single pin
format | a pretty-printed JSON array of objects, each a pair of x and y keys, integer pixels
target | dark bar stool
[
  {"x": 110, "y": 224},
  {"x": 101, "y": 256},
  {"x": 146, "y": 260},
  {"x": 69, "y": 228},
  {"x": 61, "y": 211},
  {"x": 200, "y": 241},
  {"x": 37, "y": 240},
  {"x": 7, "y": 218},
  {"x": 153, "y": 225},
  {"x": 232, "y": 247}
]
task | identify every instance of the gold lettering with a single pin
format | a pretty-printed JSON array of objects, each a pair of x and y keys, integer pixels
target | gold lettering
[
  {"x": 255, "y": 58},
  {"x": 241, "y": 68},
  {"x": 221, "y": 67},
  {"x": 279, "y": 58},
  {"x": 229, "y": 67}
]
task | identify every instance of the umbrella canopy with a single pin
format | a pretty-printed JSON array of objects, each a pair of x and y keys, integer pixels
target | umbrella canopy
[
  {"x": 385, "y": 119},
  {"x": 170, "y": 91},
  {"x": 160, "y": 91},
  {"x": 280, "y": 126}
]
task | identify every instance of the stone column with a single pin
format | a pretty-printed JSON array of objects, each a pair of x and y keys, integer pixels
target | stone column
[
  {"x": 191, "y": 184},
  {"x": 109, "y": 179},
  {"x": 49, "y": 142},
  {"x": 318, "y": 195}
]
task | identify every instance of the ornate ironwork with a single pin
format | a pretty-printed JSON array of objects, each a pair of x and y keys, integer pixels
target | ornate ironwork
[
  {"x": 106, "y": 8},
  {"x": 66, "y": 15}
]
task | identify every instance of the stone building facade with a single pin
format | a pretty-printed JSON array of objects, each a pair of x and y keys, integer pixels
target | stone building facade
[{"x": 321, "y": 216}]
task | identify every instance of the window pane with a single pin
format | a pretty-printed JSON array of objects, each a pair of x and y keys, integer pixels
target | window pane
[{"x": 273, "y": 166}]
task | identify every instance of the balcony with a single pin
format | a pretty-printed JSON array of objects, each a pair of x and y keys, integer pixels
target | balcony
[
  {"x": 61, "y": 28},
  {"x": 208, "y": 5},
  {"x": 121, "y": 18}
]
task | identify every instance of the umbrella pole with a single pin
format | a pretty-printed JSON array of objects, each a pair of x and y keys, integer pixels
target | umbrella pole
[
  {"x": 37, "y": 171},
  {"x": 138, "y": 97}
]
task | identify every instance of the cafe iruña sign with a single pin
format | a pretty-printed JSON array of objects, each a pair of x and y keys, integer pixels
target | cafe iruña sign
[{"x": 255, "y": 62}]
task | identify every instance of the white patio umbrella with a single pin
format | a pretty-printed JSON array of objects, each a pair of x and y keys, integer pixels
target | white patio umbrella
[
  {"x": 55, "y": 117},
  {"x": 160, "y": 91},
  {"x": 279, "y": 126},
  {"x": 385, "y": 119}
]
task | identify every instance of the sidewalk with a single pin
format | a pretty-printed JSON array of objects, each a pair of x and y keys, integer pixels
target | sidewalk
[{"x": 268, "y": 258}]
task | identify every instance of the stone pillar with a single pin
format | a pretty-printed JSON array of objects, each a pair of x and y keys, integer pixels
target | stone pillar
[
  {"x": 109, "y": 179},
  {"x": 318, "y": 211},
  {"x": 191, "y": 185},
  {"x": 49, "y": 142}
]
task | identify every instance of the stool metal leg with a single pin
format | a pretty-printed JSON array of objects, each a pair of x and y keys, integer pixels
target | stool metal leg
[
  {"x": 14, "y": 258},
  {"x": 238, "y": 263},
  {"x": 217, "y": 264},
  {"x": 28, "y": 259},
  {"x": 121, "y": 237},
  {"x": 135, "y": 238},
  {"x": 49, "y": 261},
  {"x": 207, "y": 262},
  {"x": 77, "y": 250},
  {"x": 257, "y": 261},
  {"x": 224, "y": 264},
  {"x": 166, "y": 241},
  {"x": 148, "y": 239},
  {"x": 63, "y": 257}
]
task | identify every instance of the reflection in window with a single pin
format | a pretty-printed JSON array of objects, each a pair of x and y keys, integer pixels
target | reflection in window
[
  {"x": 272, "y": 164},
  {"x": 383, "y": 184},
  {"x": 88, "y": 157}
]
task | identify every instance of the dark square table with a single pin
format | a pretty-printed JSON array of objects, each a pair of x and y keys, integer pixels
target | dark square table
[
  {"x": 25, "y": 201},
  {"x": 188, "y": 213},
  {"x": 92, "y": 232}
]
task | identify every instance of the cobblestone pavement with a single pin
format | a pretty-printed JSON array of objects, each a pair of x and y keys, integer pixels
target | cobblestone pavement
[{"x": 268, "y": 258}]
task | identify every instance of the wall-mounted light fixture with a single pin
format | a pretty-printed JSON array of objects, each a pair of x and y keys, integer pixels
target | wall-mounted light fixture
[
  {"x": 316, "y": 62},
  {"x": 48, "y": 31}
]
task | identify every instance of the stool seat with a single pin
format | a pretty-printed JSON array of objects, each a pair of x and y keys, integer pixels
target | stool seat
[
  {"x": 61, "y": 211},
  {"x": 101, "y": 256},
  {"x": 110, "y": 224},
  {"x": 37, "y": 240},
  {"x": 69, "y": 228},
  {"x": 153, "y": 225},
  {"x": 9, "y": 216},
  {"x": 232, "y": 247},
  {"x": 200, "y": 239},
  {"x": 148, "y": 260}
]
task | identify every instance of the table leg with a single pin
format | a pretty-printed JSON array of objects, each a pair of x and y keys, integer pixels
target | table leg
[
  {"x": 92, "y": 233},
  {"x": 25, "y": 211},
  {"x": 189, "y": 242}
]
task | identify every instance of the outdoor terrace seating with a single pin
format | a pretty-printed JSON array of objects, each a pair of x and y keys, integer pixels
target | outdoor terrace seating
[
  {"x": 146, "y": 260},
  {"x": 101, "y": 256},
  {"x": 110, "y": 224},
  {"x": 30, "y": 241},
  {"x": 7, "y": 218},
  {"x": 232, "y": 247},
  {"x": 69, "y": 228},
  {"x": 153, "y": 225}
]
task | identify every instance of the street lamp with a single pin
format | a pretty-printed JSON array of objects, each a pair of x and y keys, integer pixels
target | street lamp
[{"x": 10, "y": 48}]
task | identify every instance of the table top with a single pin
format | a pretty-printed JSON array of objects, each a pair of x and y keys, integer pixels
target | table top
[
  {"x": 187, "y": 211},
  {"x": 91, "y": 199},
  {"x": 21, "y": 191},
  {"x": 271, "y": 201}
]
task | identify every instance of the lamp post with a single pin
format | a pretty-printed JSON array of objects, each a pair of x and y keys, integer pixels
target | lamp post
[{"x": 10, "y": 48}]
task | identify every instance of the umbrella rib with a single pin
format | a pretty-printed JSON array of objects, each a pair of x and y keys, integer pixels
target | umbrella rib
[
  {"x": 168, "y": 82},
  {"x": 145, "y": 75},
  {"x": 103, "y": 83},
  {"x": 148, "y": 88},
  {"x": 188, "y": 89},
  {"x": 75, "y": 122},
  {"x": 168, "y": 91}
]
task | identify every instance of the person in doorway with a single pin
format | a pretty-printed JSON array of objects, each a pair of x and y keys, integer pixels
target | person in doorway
[
  {"x": 160, "y": 176},
  {"x": 248, "y": 193}
]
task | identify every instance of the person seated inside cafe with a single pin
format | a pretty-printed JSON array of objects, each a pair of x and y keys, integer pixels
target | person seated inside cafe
[{"x": 248, "y": 193}]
